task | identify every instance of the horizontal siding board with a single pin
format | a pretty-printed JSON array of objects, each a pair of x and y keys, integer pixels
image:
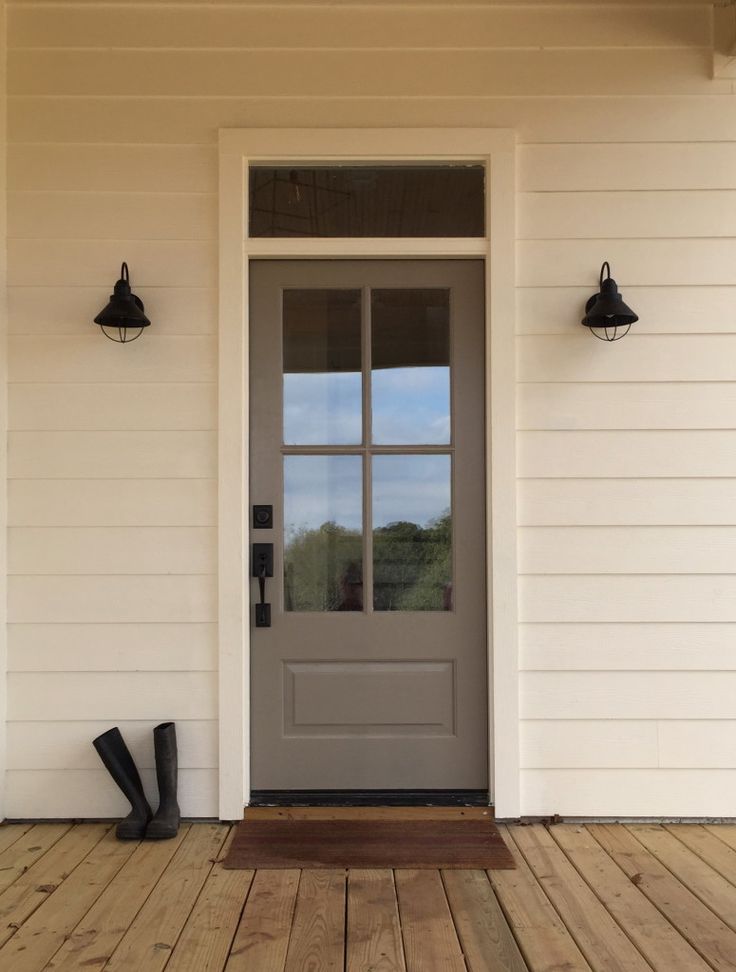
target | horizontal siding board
[
  {"x": 644, "y": 598},
  {"x": 683, "y": 309},
  {"x": 112, "y": 168},
  {"x": 393, "y": 73},
  {"x": 629, "y": 792},
  {"x": 112, "y": 550},
  {"x": 594, "y": 744},
  {"x": 629, "y": 454},
  {"x": 565, "y": 263},
  {"x": 641, "y": 357},
  {"x": 708, "y": 744},
  {"x": 112, "y": 215},
  {"x": 103, "y": 406},
  {"x": 111, "y": 502},
  {"x": 122, "y": 599},
  {"x": 627, "y": 405},
  {"x": 626, "y": 550},
  {"x": 644, "y": 166},
  {"x": 626, "y": 502},
  {"x": 167, "y": 120},
  {"x": 74, "y": 696},
  {"x": 68, "y": 745},
  {"x": 112, "y": 455},
  {"x": 157, "y": 263},
  {"x": 369, "y": 26},
  {"x": 621, "y": 215},
  {"x": 627, "y": 647},
  {"x": 172, "y": 311},
  {"x": 72, "y": 358},
  {"x": 63, "y": 794},
  {"x": 628, "y": 695},
  {"x": 112, "y": 647}
]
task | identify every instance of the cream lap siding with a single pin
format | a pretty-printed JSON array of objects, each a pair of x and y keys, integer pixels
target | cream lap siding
[{"x": 627, "y": 454}]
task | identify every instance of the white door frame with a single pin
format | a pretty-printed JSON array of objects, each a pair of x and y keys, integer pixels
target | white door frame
[{"x": 495, "y": 148}]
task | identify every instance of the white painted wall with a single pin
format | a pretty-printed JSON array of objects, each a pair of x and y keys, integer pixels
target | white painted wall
[{"x": 627, "y": 473}]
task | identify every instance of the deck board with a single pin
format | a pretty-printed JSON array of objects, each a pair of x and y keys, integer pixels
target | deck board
[{"x": 636, "y": 897}]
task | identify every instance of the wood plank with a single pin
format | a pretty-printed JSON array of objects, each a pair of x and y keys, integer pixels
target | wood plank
[
  {"x": 660, "y": 943},
  {"x": 487, "y": 942},
  {"x": 149, "y": 940},
  {"x": 97, "y": 935},
  {"x": 373, "y": 926},
  {"x": 706, "y": 844},
  {"x": 10, "y": 833},
  {"x": 318, "y": 929},
  {"x": 430, "y": 940},
  {"x": 707, "y": 884},
  {"x": 52, "y": 923},
  {"x": 596, "y": 933},
  {"x": 204, "y": 944},
  {"x": 724, "y": 832},
  {"x": 262, "y": 937},
  {"x": 369, "y": 813},
  {"x": 17, "y": 858},
  {"x": 33, "y": 887},
  {"x": 708, "y": 935},
  {"x": 543, "y": 938}
]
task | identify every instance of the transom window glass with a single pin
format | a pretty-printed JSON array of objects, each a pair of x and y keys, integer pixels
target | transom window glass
[
  {"x": 363, "y": 201},
  {"x": 367, "y": 443}
]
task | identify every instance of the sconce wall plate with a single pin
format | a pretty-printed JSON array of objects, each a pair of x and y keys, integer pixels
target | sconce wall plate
[
  {"x": 607, "y": 316},
  {"x": 123, "y": 320}
]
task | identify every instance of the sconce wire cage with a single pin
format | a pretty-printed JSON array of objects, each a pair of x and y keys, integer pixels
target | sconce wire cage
[
  {"x": 123, "y": 320},
  {"x": 606, "y": 315}
]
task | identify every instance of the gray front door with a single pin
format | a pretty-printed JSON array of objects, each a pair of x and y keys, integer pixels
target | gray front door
[{"x": 367, "y": 438}]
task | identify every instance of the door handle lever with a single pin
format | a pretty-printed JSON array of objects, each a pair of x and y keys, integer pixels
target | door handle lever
[{"x": 262, "y": 568}]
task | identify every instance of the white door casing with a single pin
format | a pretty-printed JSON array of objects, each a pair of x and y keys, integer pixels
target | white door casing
[{"x": 495, "y": 148}]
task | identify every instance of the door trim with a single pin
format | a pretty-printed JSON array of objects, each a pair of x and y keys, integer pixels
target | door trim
[{"x": 496, "y": 149}]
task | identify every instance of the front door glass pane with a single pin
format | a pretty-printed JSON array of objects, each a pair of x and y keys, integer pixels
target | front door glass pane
[
  {"x": 323, "y": 524},
  {"x": 410, "y": 367},
  {"x": 322, "y": 367},
  {"x": 412, "y": 533}
]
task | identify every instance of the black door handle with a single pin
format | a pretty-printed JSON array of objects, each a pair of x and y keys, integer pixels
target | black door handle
[{"x": 262, "y": 568}]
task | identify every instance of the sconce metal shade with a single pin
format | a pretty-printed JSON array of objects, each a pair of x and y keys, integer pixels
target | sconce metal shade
[
  {"x": 607, "y": 316},
  {"x": 123, "y": 316}
]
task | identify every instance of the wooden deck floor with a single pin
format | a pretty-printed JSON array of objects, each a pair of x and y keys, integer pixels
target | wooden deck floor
[{"x": 597, "y": 897}]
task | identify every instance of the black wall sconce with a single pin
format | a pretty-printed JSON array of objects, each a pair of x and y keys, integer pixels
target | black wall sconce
[
  {"x": 123, "y": 319},
  {"x": 607, "y": 316}
]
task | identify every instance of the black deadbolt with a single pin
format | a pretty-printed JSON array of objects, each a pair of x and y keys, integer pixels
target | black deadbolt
[{"x": 262, "y": 517}]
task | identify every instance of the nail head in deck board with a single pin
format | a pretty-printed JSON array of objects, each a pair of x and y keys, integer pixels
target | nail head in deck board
[
  {"x": 205, "y": 942},
  {"x": 430, "y": 941},
  {"x": 25, "y": 852},
  {"x": 708, "y": 935},
  {"x": 713, "y": 890},
  {"x": 45, "y": 931},
  {"x": 706, "y": 845},
  {"x": 373, "y": 928},
  {"x": 97, "y": 936},
  {"x": 317, "y": 941},
  {"x": 599, "y": 937},
  {"x": 28, "y": 892},
  {"x": 262, "y": 938},
  {"x": 487, "y": 941},
  {"x": 653, "y": 935},
  {"x": 148, "y": 943},
  {"x": 543, "y": 938}
]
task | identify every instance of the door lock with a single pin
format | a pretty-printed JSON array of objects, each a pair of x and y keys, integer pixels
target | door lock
[{"x": 262, "y": 568}]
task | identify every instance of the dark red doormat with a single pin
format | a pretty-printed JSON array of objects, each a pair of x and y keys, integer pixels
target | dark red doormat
[{"x": 314, "y": 843}]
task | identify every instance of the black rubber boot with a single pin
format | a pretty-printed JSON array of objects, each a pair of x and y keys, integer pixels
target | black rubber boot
[
  {"x": 165, "y": 823},
  {"x": 115, "y": 755}
]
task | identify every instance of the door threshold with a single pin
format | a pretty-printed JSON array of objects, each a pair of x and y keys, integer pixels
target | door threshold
[{"x": 369, "y": 798}]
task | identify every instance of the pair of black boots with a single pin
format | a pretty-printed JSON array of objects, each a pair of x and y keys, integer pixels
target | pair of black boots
[{"x": 141, "y": 822}]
